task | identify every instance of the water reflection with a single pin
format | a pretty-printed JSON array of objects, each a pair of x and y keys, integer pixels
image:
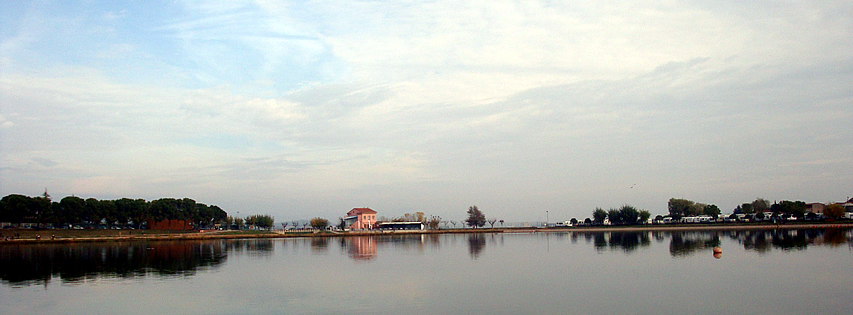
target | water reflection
[
  {"x": 252, "y": 247},
  {"x": 681, "y": 243},
  {"x": 622, "y": 241},
  {"x": 684, "y": 243},
  {"x": 22, "y": 265},
  {"x": 359, "y": 247},
  {"x": 687, "y": 243},
  {"x": 476, "y": 244},
  {"x": 366, "y": 247}
]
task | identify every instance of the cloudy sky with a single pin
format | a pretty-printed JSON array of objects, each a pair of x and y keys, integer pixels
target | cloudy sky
[{"x": 300, "y": 109}]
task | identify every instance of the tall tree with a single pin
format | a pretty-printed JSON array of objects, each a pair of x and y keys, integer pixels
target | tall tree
[
  {"x": 615, "y": 216},
  {"x": 711, "y": 210},
  {"x": 475, "y": 217},
  {"x": 598, "y": 215},
  {"x": 92, "y": 213},
  {"x": 644, "y": 215},
  {"x": 629, "y": 214},
  {"x": 679, "y": 207},
  {"x": 747, "y": 208},
  {"x": 15, "y": 208},
  {"x": 72, "y": 209},
  {"x": 760, "y": 205}
]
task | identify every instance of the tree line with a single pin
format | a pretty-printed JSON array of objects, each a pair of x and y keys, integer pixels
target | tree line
[
  {"x": 625, "y": 215},
  {"x": 73, "y": 210},
  {"x": 260, "y": 221}
]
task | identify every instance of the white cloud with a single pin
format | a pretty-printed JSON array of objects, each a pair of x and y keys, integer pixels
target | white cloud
[{"x": 514, "y": 106}]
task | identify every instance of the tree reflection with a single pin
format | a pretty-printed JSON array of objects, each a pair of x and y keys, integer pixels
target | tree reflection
[
  {"x": 626, "y": 241},
  {"x": 684, "y": 243},
  {"x": 760, "y": 240},
  {"x": 629, "y": 241},
  {"x": 319, "y": 244},
  {"x": 476, "y": 244},
  {"x": 687, "y": 243},
  {"x": 31, "y": 264},
  {"x": 255, "y": 247}
]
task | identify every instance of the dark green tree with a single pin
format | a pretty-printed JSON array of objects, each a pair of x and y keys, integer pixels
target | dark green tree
[
  {"x": 679, "y": 207},
  {"x": 747, "y": 208},
  {"x": 711, "y": 210},
  {"x": 262, "y": 221},
  {"x": 598, "y": 215},
  {"x": 15, "y": 208},
  {"x": 92, "y": 212},
  {"x": 629, "y": 214},
  {"x": 760, "y": 205},
  {"x": 615, "y": 216},
  {"x": 72, "y": 209},
  {"x": 475, "y": 217},
  {"x": 644, "y": 215}
]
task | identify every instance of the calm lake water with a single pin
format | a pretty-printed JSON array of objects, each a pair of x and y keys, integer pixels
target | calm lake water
[{"x": 759, "y": 272}]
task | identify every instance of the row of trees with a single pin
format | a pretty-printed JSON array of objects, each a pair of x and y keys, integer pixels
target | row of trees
[
  {"x": 74, "y": 210},
  {"x": 786, "y": 208},
  {"x": 260, "y": 221},
  {"x": 679, "y": 208},
  {"x": 760, "y": 205},
  {"x": 625, "y": 215},
  {"x": 476, "y": 218}
]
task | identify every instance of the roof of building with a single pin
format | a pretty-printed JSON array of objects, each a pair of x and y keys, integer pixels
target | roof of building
[{"x": 362, "y": 211}]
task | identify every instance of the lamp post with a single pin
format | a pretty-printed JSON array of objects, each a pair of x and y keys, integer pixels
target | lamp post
[{"x": 546, "y": 218}]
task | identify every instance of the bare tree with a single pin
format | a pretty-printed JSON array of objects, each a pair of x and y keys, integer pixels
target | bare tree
[
  {"x": 433, "y": 222},
  {"x": 453, "y": 223},
  {"x": 492, "y": 222}
]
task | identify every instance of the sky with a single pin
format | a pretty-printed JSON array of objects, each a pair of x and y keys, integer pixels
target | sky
[{"x": 527, "y": 109}]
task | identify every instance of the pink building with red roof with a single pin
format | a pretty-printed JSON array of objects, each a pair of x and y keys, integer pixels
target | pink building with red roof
[{"x": 360, "y": 219}]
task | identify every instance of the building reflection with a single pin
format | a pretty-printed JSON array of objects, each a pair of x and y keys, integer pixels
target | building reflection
[
  {"x": 367, "y": 247},
  {"x": 360, "y": 247}
]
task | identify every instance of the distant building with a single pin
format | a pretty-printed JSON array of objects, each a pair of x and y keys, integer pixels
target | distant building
[
  {"x": 360, "y": 219},
  {"x": 848, "y": 206},
  {"x": 401, "y": 225},
  {"x": 815, "y": 207}
]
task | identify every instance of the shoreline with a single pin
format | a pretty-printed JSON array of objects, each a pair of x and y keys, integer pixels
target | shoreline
[{"x": 29, "y": 236}]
